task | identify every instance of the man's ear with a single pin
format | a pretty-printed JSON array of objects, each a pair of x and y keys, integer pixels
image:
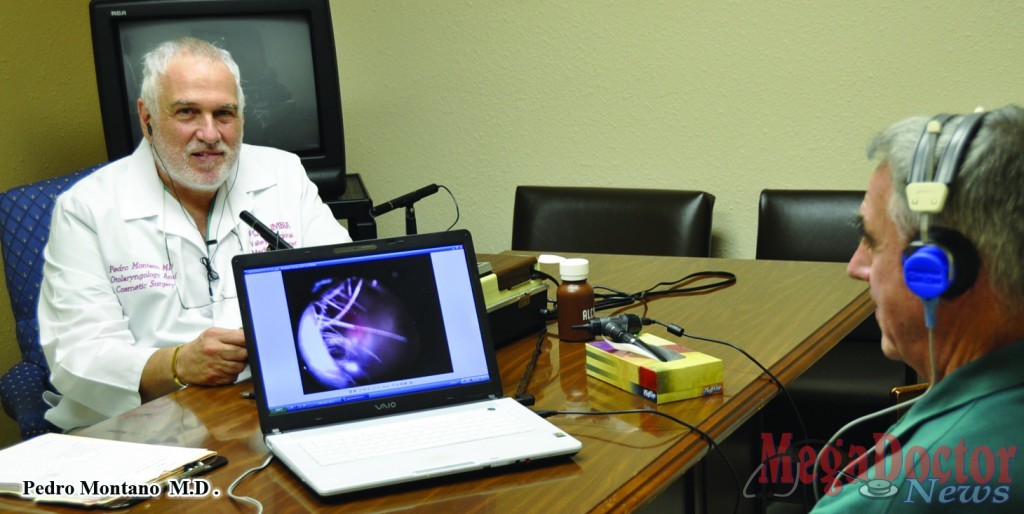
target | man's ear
[{"x": 145, "y": 120}]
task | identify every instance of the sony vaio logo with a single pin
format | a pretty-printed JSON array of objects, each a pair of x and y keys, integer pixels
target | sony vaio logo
[{"x": 385, "y": 406}]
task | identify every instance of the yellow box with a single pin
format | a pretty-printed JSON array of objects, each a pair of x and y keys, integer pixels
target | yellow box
[{"x": 696, "y": 374}]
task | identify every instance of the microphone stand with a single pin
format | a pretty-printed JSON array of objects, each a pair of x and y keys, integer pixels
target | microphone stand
[
  {"x": 407, "y": 201},
  {"x": 410, "y": 220}
]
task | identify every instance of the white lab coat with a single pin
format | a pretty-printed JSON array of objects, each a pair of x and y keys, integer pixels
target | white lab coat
[{"x": 110, "y": 298}]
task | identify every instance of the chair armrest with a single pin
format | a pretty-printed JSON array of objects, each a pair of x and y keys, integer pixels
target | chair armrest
[
  {"x": 903, "y": 394},
  {"x": 21, "y": 394}
]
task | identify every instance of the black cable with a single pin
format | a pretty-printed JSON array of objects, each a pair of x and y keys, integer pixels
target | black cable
[
  {"x": 454, "y": 201},
  {"x": 619, "y": 298},
  {"x": 730, "y": 279},
  {"x": 611, "y": 301},
  {"x": 678, "y": 331},
  {"x": 711, "y": 441},
  {"x": 622, "y": 299},
  {"x": 536, "y": 273},
  {"x": 521, "y": 395},
  {"x": 546, "y": 313}
]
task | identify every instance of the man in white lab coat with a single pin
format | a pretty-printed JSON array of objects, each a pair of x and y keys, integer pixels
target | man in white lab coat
[{"x": 138, "y": 297}]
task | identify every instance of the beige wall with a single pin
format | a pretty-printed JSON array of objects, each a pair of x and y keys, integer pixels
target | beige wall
[
  {"x": 728, "y": 97},
  {"x": 480, "y": 96}
]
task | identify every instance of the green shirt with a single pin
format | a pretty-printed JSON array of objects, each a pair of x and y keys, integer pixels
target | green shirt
[{"x": 955, "y": 450}]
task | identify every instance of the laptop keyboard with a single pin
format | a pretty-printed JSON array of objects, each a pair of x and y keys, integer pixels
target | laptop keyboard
[{"x": 410, "y": 435}]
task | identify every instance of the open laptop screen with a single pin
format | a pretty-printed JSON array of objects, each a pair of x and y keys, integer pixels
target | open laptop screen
[{"x": 366, "y": 327}]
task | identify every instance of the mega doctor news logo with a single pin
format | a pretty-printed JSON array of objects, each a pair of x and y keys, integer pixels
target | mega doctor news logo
[{"x": 953, "y": 475}]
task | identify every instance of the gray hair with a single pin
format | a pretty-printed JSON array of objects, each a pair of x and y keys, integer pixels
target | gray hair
[
  {"x": 155, "y": 63},
  {"x": 986, "y": 200}
]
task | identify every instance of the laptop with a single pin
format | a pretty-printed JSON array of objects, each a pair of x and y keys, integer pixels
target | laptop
[{"x": 372, "y": 364}]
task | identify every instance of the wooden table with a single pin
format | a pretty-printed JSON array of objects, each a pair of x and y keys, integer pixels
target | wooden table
[{"x": 786, "y": 314}]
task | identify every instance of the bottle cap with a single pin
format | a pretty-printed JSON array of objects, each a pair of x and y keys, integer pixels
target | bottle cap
[
  {"x": 548, "y": 258},
  {"x": 574, "y": 269}
]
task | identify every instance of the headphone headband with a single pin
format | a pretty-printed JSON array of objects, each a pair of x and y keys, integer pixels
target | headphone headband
[
  {"x": 924, "y": 154},
  {"x": 928, "y": 182},
  {"x": 956, "y": 150}
]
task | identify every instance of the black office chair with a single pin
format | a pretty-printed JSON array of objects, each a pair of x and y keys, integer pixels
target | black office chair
[
  {"x": 854, "y": 378},
  {"x": 612, "y": 220},
  {"x": 25, "y": 222}
]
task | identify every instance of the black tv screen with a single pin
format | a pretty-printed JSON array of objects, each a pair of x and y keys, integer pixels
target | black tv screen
[{"x": 285, "y": 53}]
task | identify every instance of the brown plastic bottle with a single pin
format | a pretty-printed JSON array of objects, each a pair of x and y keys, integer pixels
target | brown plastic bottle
[{"x": 575, "y": 300}]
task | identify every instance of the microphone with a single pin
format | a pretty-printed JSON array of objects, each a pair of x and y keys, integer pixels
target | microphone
[
  {"x": 405, "y": 200},
  {"x": 612, "y": 327},
  {"x": 211, "y": 274},
  {"x": 630, "y": 322},
  {"x": 272, "y": 238}
]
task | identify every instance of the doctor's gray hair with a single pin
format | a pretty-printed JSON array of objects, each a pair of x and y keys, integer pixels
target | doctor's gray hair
[{"x": 154, "y": 65}]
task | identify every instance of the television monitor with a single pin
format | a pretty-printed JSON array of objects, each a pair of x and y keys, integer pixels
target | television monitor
[{"x": 285, "y": 53}]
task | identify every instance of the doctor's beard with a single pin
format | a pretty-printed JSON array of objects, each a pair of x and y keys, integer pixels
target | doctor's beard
[{"x": 203, "y": 178}]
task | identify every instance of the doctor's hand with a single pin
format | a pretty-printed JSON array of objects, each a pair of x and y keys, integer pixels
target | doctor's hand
[{"x": 214, "y": 358}]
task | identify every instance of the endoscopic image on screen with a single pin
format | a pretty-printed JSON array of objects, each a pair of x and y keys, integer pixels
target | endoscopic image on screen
[{"x": 356, "y": 329}]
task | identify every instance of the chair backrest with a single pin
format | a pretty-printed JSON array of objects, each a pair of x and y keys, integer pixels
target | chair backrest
[
  {"x": 808, "y": 225},
  {"x": 612, "y": 220},
  {"x": 25, "y": 223},
  {"x": 812, "y": 225},
  {"x": 25, "y": 214}
]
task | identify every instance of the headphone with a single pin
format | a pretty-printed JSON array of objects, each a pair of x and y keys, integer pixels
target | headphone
[
  {"x": 940, "y": 262},
  {"x": 149, "y": 128}
]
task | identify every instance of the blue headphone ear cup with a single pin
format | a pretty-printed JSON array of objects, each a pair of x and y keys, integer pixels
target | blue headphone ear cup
[
  {"x": 926, "y": 270},
  {"x": 946, "y": 267}
]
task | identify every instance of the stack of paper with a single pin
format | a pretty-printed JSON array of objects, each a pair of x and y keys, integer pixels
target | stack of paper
[{"x": 86, "y": 471}]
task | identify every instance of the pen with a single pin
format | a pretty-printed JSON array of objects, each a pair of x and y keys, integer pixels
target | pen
[
  {"x": 203, "y": 467},
  {"x": 249, "y": 395}
]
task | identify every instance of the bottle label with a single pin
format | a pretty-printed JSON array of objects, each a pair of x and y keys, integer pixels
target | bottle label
[{"x": 575, "y": 307}]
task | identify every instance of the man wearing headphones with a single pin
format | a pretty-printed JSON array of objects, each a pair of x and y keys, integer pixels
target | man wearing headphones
[
  {"x": 138, "y": 297},
  {"x": 942, "y": 248}
]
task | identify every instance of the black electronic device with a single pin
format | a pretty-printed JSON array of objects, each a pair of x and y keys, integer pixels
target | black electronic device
[
  {"x": 286, "y": 55},
  {"x": 629, "y": 322},
  {"x": 622, "y": 329}
]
